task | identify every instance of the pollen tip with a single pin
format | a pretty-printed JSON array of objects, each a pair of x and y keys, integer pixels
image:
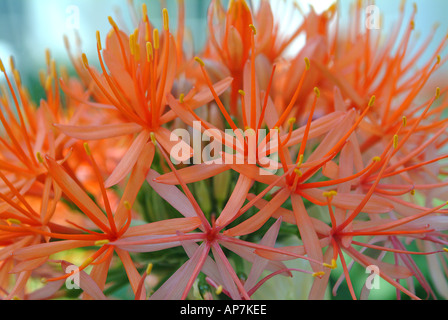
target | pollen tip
[
  {"x": 98, "y": 40},
  {"x": 395, "y": 141},
  {"x": 405, "y": 121},
  {"x": 39, "y": 157},
  {"x": 101, "y": 243},
  {"x": 372, "y": 101},
  {"x": 181, "y": 98},
  {"x": 85, "y": 60},
  {"x": 112, "y": 22},
  {"x": 219, "y": 290},
  {"x": 200, "y": 61},
  {"x": 308, "y": 64},
  {"x": 149, "y": 269},
  {"x": 438, "y": 93},
  {"x": 87, "y": 149},
  {"x": 241, "y": 92},
  {"x": 156, "y": 39},
  {"x": 14, "y": 221},
  {"x": 318, "y": 274},
  {"x": 127, "y": 205},
  {"x": 166, "y": 20},
  {"x": 2, "y": 66},
  {"x": 445, "y": 249},
  {"x": 153, "y": 138},
  {"x": 291, "y": 121},
  {"x": 317, "y": 92},
  {"x": 254, "y": 30}
]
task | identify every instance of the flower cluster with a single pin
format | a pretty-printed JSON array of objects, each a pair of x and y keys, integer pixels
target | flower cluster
[{"x": 185, "y": 170}]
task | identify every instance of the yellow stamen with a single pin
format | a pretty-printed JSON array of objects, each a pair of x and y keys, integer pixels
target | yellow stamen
[
  {"x": 98, "y": 40},
  {"x": 2, "y": 67},
  {"x": 127, "y": 205},
  {"x": 153, "y": 138},
  {"x": 87, "y": 148},
  {"x": 156, "y": 39},
  {"x": 166, "y": 20},
  {"x": 395, "y": 141},
  {"x": 241, "y": 92},
  {"x": 181, "y": 98},
  {"x": 200, "y": 61},
  {"x": 372, "y": 101},
  {"x": 149, "y": 52},
  {"x": 291, "y": 121},
  {"x": 405, "y": 121},
  {"x": 298, "y": 172},
  {"x": 437, "y": 93},
  {"x": 299, "y": 164},
  {"x": 318, "y": 274},
  {"x": 412, "y": 192},
  {"x": 219, "y": 290},
  {"x": 317, "y": 92},
  {"x": 14, "y": 221},
  {"x": 445, "y": 249},
  {"x": 331, "y": 266},
  {"x": 254, "y": 30},
  {"x": 101, "y": 243},
  {"x": 85, "y": 60},
  {"x": 149, "y": 269},
  {"x": 376, "y": 159},
  {"x": 112, "y": 23},
  {"x": 330, "y": 194},
  {"x": 47, "y": 56},
  {"x": 308, "y": 64},
  {"x": 86, "y": 263},
  {"x": 39, "y": 157}
]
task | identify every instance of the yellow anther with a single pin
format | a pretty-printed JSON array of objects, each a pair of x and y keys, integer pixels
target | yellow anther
[
  {"x": 291, "y": 121},
  {"x": 16, "y": 298},
  {"x": 144, "y": 10},
  {"x": 101, "y": 243},
  {"x": 132, "y": 44},
  {"x": 166, "y": 20},
  {"x": 308, "y": 64},
  {"x": 85, "y": 60},
  {"x": 412, "y": 25},
  {"x": 376, "y": 159},
  {"x": 2, "y": 67},
  {"x": 47, "y": 56},
  {"x": 87, "y": 263},
  {"x": 17, "y": 77},
  {"x": 395, "y": 141},
  {"x": 181, "y": 98},
  {"x": 149, "y": 269},
  {"x": 43, "y": 280},
  {"x": 14, "y": 221},
  {"x": 405, "y": 121},
  {"x": 87, "y": 148},
  {"x": 445, "y": 249},
  {"x": 298, "y": 172},
  {"x": 438, "y": 59},
  {"x": 98, "y": 40},
  {"x": 153, "y": 138},
  {"x": 112, "y": 22},
  {"x": 412, "y": 192},
  {"x": 331, "y": 266},
  {"x": 317, "y": 92},
  {"x": 149, "y": 51},
  {"x": 200, "y": 61},
  {"x": 330, "y": 194},
  {"x": 127, "y": 205},
  {"x": 437, "y": 93},
  {"x": 318, "y": 274},
  {"x": 48, "y": 83},
  {"x": 241, "y": 92},
  {"x": 219, "y": 290},
  {"x": 39, "y": 157},
  {"x": 156, "y": 39},
  {"x": 372, "y": 101},
  {"x": 254, "y": 30},
  {"x": 299, "y": 164}
]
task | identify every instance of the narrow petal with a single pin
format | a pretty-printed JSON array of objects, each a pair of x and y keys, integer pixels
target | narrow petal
[
  {"x": 89, "y": 133},
  {"x": 129, "y": 160}
]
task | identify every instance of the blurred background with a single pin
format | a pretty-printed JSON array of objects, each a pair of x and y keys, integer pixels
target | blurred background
[{"x": 28, "y": 27}]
